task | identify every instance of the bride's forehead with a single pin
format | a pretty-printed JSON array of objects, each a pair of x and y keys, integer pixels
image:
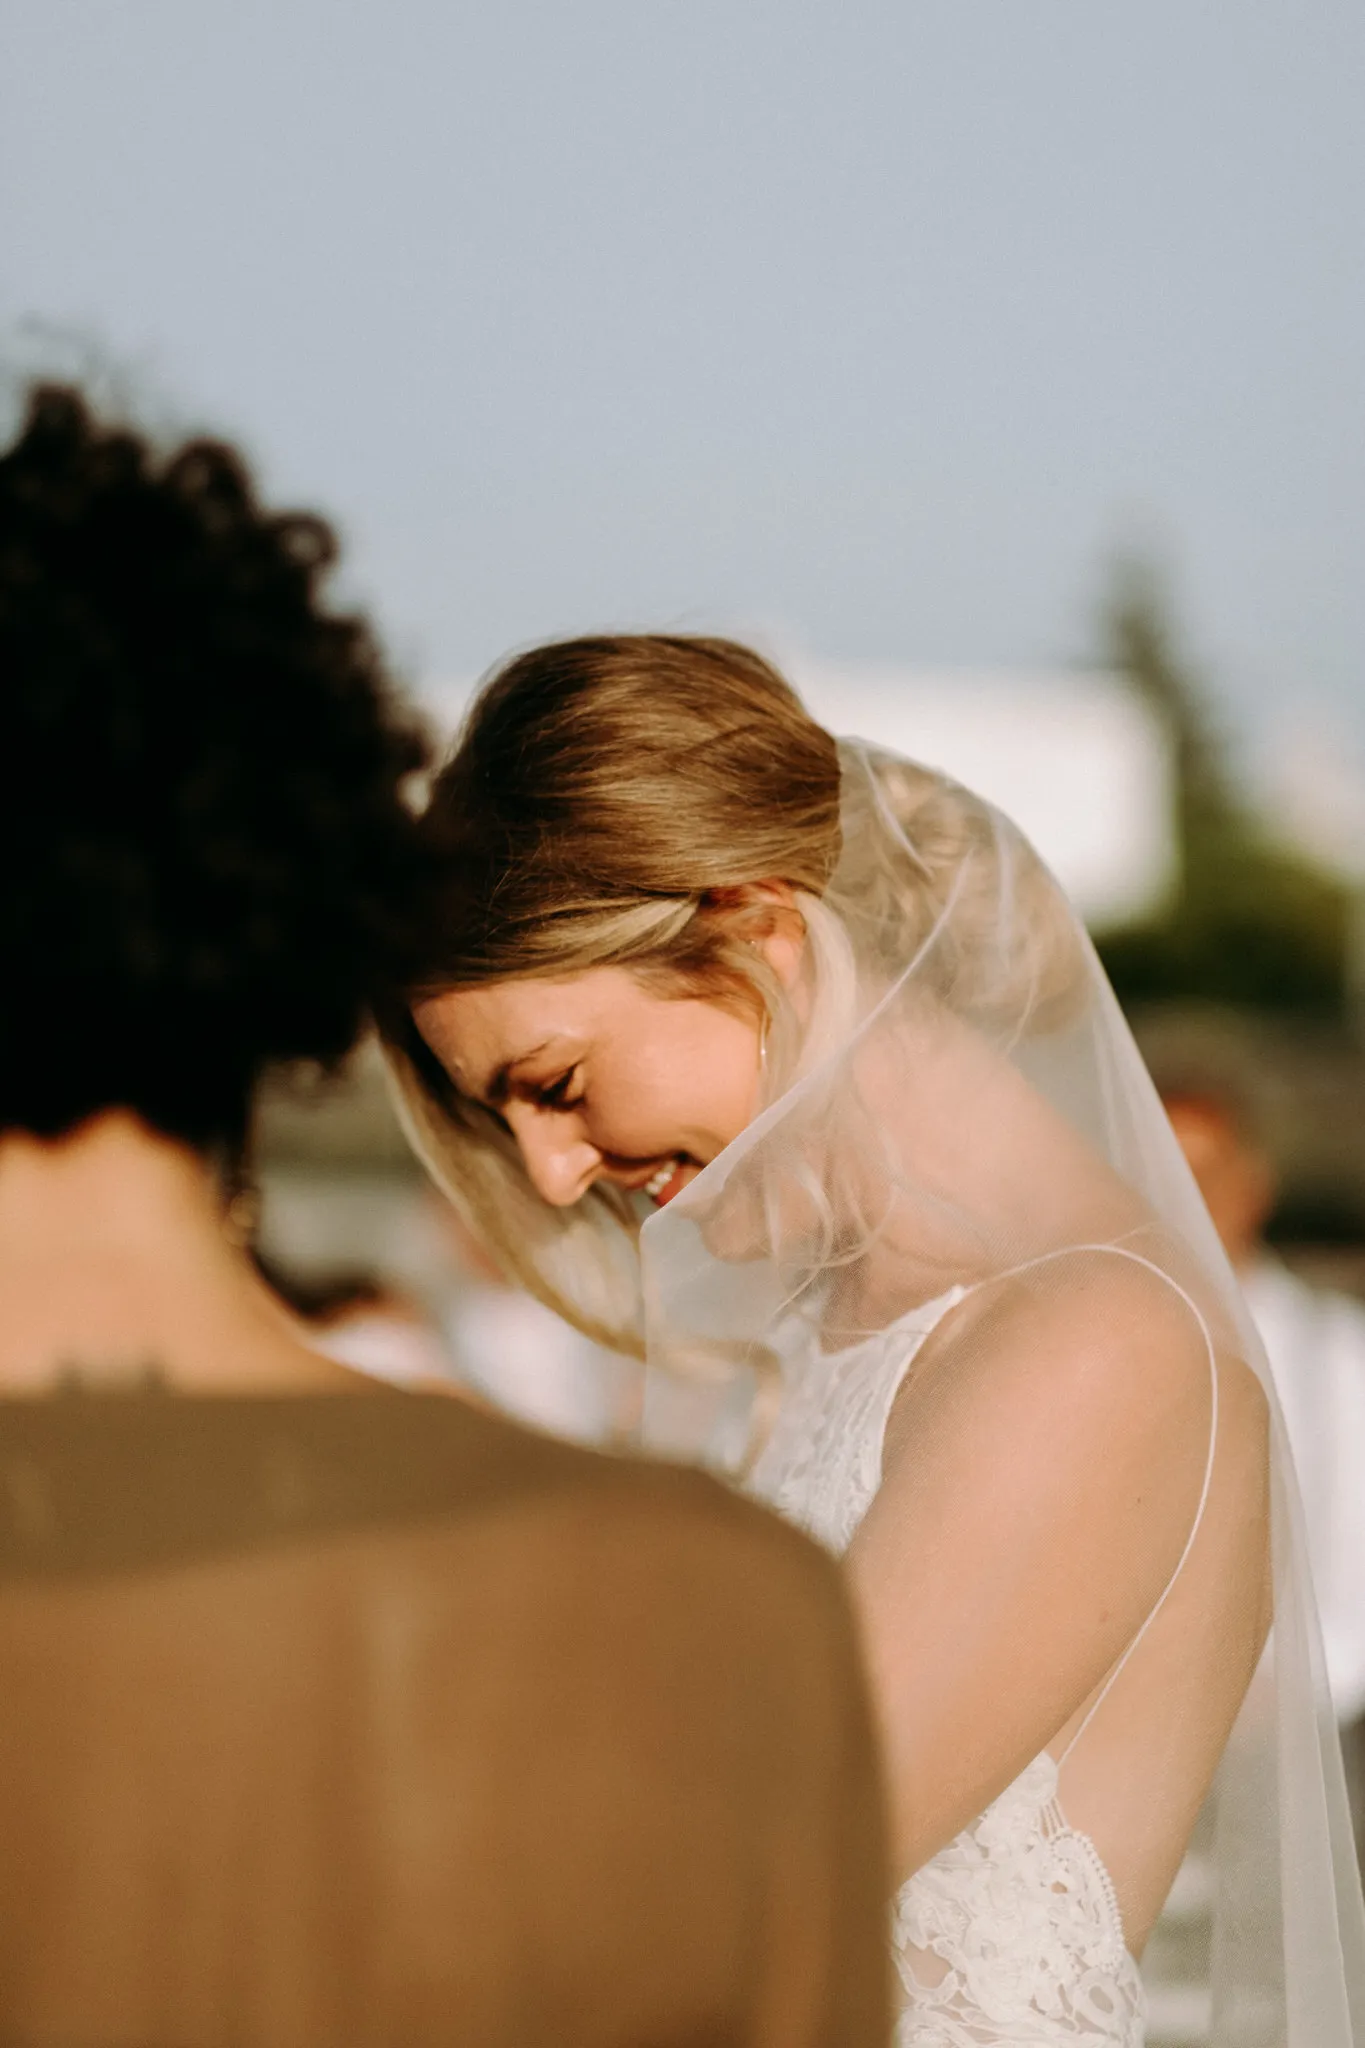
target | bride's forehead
[{"x": 494, "y": 1014}]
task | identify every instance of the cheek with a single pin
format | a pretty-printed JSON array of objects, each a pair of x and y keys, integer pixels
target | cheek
[
  {"x": 736, "y": 1065},
  {"x": 714, "y": 1072},
  {"x": 693, "y": 1086},
  {"x": 643, "y": 1104}
]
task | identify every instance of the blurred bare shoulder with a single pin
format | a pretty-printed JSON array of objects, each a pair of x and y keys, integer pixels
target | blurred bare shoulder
[
  {"x": 658, "y": 1566},
  {"x": 668, "y": 1701}
]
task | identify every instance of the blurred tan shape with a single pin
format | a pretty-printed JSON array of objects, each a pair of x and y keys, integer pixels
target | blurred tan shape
[{"x": 380, "y": 1721}]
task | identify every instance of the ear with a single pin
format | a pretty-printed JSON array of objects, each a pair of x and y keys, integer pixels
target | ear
[{"x": 767, "y": 915}]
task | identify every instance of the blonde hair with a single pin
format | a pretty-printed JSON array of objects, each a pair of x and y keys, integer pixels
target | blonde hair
[{"x": 610, "y": 802}]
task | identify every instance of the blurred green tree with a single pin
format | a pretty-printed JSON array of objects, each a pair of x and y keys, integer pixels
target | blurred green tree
[{"x": 1252, "y": 922}]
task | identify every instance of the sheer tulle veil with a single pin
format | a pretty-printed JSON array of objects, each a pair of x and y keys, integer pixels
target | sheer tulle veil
[{"x": 954, "y": 1098}]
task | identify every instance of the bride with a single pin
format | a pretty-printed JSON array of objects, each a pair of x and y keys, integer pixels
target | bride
[{"x": 785, "y": 1065}]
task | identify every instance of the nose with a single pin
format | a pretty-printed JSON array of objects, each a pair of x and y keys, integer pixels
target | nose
[{"x": 559, "y": 1161}]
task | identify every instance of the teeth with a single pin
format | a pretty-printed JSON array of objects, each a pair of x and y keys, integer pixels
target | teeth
[{"x": 657, "y": 1182}]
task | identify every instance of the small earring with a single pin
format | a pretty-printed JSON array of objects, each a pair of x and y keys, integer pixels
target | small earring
[{"x": 241, "y": 1217}]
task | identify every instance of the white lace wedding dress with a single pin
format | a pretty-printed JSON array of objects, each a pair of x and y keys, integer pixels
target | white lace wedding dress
[{"x": 1010, "y": 1936}]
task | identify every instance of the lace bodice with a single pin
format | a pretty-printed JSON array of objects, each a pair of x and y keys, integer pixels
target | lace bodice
[{"x": 1011, "y": 1936}]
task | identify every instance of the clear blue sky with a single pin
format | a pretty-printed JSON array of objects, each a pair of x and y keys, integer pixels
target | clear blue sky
[{"x": 882, "y": 324}]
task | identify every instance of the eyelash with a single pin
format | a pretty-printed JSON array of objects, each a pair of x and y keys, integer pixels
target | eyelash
[{"x": 554, "y": 1097}]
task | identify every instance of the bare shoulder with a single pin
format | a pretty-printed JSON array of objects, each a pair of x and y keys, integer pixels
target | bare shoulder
[
  {"x": 684, "y": 1553},
  {"x": 1057, "y": 1444},
  {"x": 1093, "y": 1341},
  {"x": 614, "y": 1536},
  {"x": 702, "y": 1641},
  {"x": 646, "y": 1694}
]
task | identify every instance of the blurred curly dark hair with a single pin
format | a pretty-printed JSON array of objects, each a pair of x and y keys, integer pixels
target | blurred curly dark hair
[{"x": 206, "y": 862}]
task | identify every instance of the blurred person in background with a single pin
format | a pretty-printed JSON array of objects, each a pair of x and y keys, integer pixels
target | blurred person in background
[
  {"x": 331, "y": 1714},
  {"x": 364, "y": 1320},
  {"x": 783, "y": 1063},
  {"x": 468, "y": 1328}
]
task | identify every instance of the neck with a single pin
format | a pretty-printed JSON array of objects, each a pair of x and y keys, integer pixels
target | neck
[{"x": 114, "y": 1262}]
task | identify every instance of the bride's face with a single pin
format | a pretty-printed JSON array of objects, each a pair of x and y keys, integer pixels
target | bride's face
[{"x": 599, "y": 1077}]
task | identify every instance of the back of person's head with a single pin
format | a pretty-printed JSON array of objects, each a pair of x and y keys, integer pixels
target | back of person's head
[{"x": 208, "y": 863}]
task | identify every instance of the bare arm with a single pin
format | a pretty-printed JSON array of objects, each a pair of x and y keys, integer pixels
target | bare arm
[{"x": 1042, "y": 1472}]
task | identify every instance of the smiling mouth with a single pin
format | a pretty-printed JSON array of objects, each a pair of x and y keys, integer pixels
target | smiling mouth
[{"x": 660, "y": 1186}]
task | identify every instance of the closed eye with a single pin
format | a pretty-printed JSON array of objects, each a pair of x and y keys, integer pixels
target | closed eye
[{"x": 558, "y": 1094}]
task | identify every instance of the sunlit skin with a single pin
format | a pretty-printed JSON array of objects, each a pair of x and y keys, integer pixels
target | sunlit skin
[
  {"x": 114, "y": 1259},
  {"x": 604, "y": 1076},
  {"x": 600, "y": 1078}
]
